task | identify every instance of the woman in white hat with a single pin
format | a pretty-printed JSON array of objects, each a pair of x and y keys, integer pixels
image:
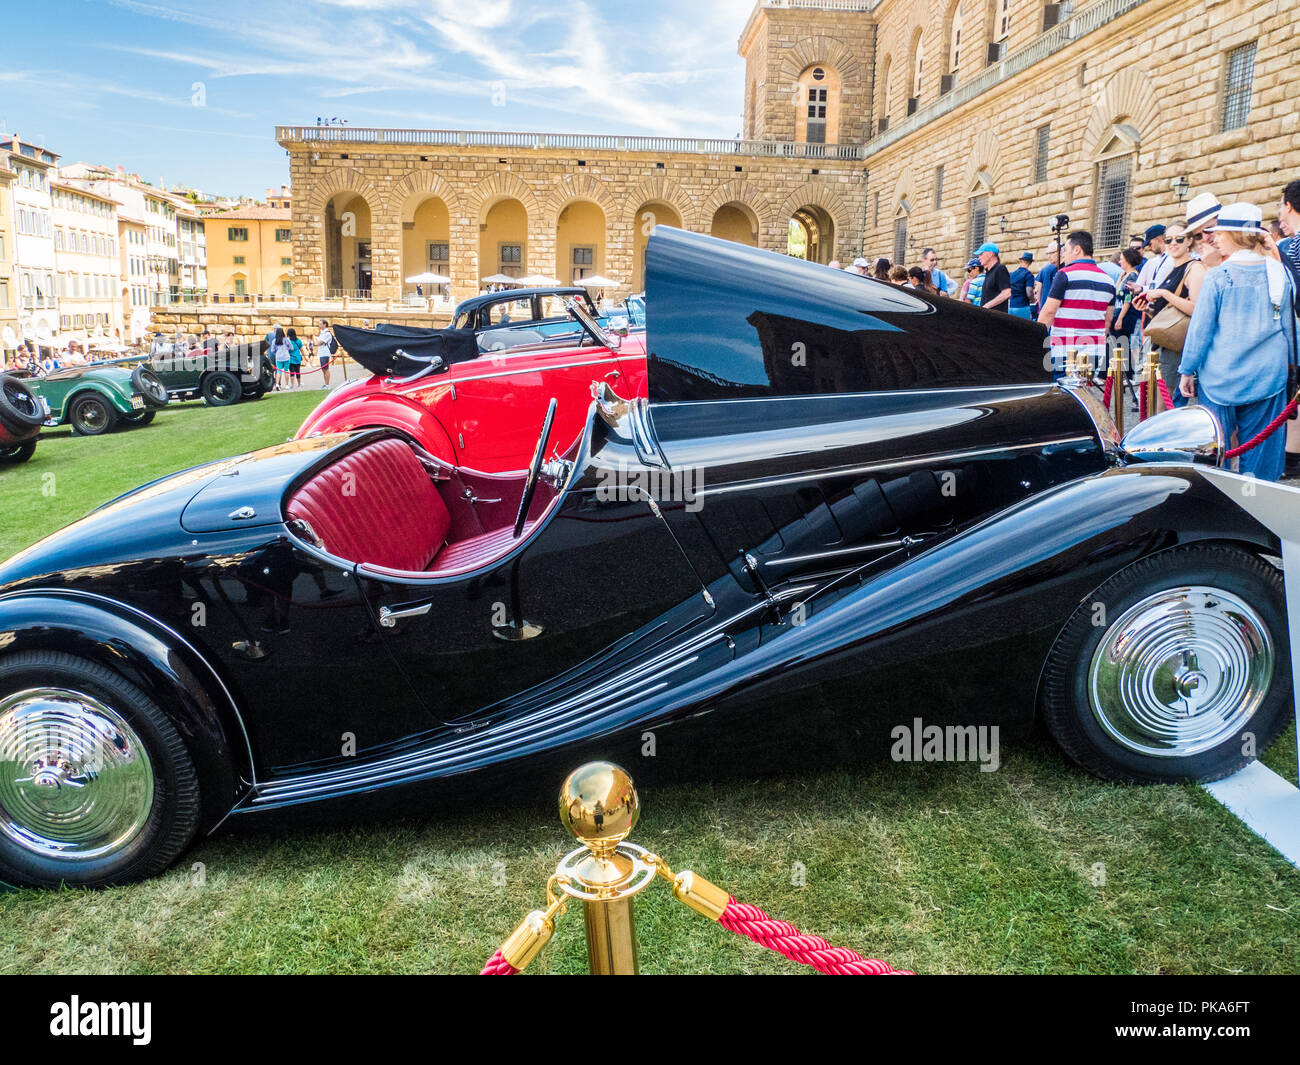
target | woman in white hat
[{"x": 1241, "y": 339}]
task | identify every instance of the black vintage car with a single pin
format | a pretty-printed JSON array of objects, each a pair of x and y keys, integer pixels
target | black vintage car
[
  {"x": 218, "y": 373},
  {"x": 842, "y": 507}
]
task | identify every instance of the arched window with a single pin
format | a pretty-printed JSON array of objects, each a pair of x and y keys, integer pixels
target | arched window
[
  {"x": 1116, "y": 163},
  {"x": 817, "y": 120},
  {"x": 918, "y": 66},
  {"x": 977, "y": 225},
  {"x": 882, "y": 105},
  {"x": 954, "y": 51}
]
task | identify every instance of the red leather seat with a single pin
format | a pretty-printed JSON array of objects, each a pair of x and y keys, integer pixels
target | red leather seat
[{"x": 376, "y": 505}]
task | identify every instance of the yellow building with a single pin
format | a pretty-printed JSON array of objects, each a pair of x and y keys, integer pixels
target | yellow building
[
  {"x": 249, "y": 253},
  {"x": 133, "y": 277},
  {"x": 8, "y": 293},
  {"x": 872, "y": 127}
]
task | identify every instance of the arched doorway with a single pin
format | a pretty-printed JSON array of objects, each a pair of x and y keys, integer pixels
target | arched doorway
[
  {"x": 736, "y": 222},
  {"x": 503, "y": 239},
  {"x": 579, "y": 242},
  {"x": 348, "y": 270},
  {"x": 812, "y": 235},
  {"x": 648, "y": 215},
  {"x": 426, "y": 241}
]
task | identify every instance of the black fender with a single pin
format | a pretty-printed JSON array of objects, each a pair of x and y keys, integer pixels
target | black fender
[
  {"x": 157, "y": 660},
  {"x": 959, "y": 631}
]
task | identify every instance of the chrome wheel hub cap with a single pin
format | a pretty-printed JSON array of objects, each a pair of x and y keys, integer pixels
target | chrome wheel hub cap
[
  {"x": 75, "y": 780},
  {"x": 1181, "y": 672}
]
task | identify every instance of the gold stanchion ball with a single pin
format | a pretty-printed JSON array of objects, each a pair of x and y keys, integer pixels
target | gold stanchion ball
[{"x": 599, "y": 805}]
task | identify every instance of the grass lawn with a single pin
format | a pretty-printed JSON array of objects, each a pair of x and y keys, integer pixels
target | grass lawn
[{"x": 937, "y": 868}]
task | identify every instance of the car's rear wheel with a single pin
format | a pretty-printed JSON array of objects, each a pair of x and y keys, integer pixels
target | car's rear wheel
[
  {"x": 1177, "y": 668},
  {"x": 221, "y": 389},
  {"x": 92, "y": 416},
  {"x": 15, "y": 453},
  {"x": 96, "y": 786}
]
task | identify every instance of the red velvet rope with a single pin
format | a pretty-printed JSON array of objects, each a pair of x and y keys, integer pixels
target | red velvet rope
[
  {"x": 1142, "y": 402},
  {"x": 785, "y": 939},
  {"x": 498, "y": 966},
  {"x": 1164, "y": 394},
  {"x": 1105, "y": 396},
  {"x": 1268, "y": 430}
]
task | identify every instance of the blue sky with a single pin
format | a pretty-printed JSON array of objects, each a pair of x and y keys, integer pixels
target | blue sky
[{"x": 180, "y": 91}]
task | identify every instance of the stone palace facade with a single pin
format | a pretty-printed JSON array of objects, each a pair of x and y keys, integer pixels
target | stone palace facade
[{"x": 871, "y": 127}]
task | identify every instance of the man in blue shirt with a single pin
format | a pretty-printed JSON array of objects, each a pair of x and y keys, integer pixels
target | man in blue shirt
[
  {"x": 930, "y": 261},
  {"x": 1022, "y": 288},
  {"x": 1045, "y": 276},
  {"x": 1288, "y": 216}
]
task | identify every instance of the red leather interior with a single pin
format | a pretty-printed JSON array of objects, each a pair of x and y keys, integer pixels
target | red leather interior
[
  {"x": 475, "y": 551},
  {"x": 376, "y": 505}
]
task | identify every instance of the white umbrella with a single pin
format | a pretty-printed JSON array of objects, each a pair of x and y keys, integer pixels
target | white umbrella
[
  {"x": 538, "y": 281},
  {"x": 428, "y": 278},
  {"x": 500, "y": 279},
  {"x": 599, "y": 281}
]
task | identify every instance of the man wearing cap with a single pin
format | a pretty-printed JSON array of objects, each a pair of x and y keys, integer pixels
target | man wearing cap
[
  {"x": 860, "y": 267},
  {"x": 996, "y": 294},
  {"x": 973, "y": 286},
  {"x": 1157, "y": 267},
  {"x": 1241, "y": 338},
  {"x": 1022, "y": 288}
]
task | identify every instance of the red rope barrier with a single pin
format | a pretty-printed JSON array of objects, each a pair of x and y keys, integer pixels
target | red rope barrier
[
  {"x": 1268, "y": 430},
  {"x": 1142, "y": 401},
  {"x": 1164, "y": 394},
  {"x": 784, "y": 938},
  {"x": 498, "y": 966}
]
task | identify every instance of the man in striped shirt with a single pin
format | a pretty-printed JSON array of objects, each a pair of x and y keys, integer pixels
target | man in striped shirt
[{"x": 1079, "y": 306}]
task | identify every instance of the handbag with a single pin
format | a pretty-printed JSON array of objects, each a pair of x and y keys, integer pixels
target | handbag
[{"x": 1168, "y": 329}]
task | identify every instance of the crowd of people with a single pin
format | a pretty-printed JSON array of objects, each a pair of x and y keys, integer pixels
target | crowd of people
[{"x": 1214, "y": 295}]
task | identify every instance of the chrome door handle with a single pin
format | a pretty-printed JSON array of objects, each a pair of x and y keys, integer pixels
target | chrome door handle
[
  {"x": 612, "y": 374},
  {"x": 388, "y": 617}
]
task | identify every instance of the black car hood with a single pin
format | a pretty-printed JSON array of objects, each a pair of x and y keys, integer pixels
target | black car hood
[
  {"x": 729, "y": 321},
  {"x": 159, "y": 518}
]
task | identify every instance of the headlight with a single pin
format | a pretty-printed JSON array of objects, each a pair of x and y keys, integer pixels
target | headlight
[{"x": 1185, "y": 434}]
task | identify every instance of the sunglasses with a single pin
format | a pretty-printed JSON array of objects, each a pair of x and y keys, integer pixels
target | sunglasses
[{"x": 1179, "y": 240}]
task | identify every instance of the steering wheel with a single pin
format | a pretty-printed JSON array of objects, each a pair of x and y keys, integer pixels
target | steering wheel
[{"x": 535, "y": 470}]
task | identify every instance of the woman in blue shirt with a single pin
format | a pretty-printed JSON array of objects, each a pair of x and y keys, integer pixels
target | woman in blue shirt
[{"x": 1241, "y": 338}]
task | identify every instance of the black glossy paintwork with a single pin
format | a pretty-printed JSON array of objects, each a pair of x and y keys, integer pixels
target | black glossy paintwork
[
  {"x": 737, "y": 321},
  {"x": 841, "y": 563}
]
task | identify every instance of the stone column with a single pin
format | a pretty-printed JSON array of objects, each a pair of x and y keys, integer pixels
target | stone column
[
  {"x": 385, "y": 253},
  {"x": 463, "y": 236},
  {"x": 541, "y": 246}
]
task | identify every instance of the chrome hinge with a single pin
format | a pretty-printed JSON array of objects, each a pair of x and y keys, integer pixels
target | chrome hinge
[
  {"x": 462, "y": 440},
  {"x": 751, "y": 567},
  {"x": 453, "y": 391}
]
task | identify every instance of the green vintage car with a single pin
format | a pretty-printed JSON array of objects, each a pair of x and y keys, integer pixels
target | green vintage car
[{"x": 94, "y": 399}]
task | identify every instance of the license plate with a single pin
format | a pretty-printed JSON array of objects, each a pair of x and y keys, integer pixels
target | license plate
[{"x": 137, "y": 402}]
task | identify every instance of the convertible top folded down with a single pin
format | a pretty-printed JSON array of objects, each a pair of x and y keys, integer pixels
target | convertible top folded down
[{"x": 398, "y": 350}]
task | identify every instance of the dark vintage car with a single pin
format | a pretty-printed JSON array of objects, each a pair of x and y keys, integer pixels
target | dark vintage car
[
  {"x": 842, "y": 507},
  {"x": 215, "y": 372}
]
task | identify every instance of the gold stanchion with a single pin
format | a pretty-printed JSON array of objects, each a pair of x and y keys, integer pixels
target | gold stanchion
[
  {"x": 1149, "y": 376},
  {"x": 599, "y": 805}
]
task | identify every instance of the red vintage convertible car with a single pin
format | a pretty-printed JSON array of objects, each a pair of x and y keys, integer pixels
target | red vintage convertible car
[
  {"x": 21, "y": 415},
  {"x": 473, "y": 395}
]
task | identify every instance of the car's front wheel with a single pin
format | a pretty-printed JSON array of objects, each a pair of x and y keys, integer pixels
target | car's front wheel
[
  {"x": 92, "y": 416},
  {"x": 96, "y": 785},
  {"x": 1175, "y": 669},
  {"x": 221, "y": 389}
]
